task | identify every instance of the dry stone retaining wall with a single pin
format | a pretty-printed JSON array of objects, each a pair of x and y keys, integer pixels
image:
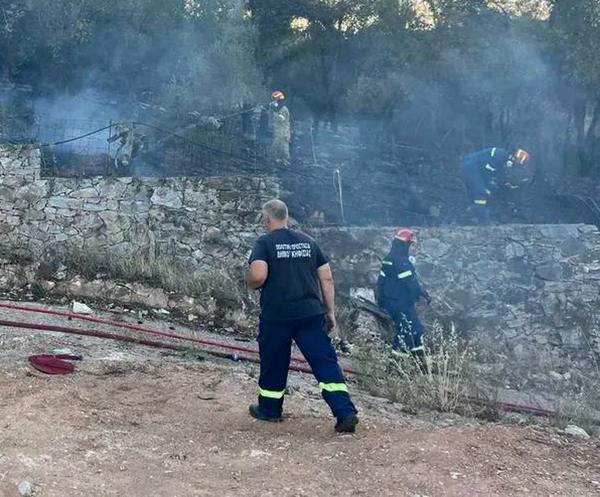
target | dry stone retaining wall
[
  {"x": 196, "y": 220},
  {"x": 530, "y": 293}
]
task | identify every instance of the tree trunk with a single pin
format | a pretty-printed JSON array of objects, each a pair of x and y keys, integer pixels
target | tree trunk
[
  {"x": 579, "y": 123},
  {"x": 590, "y": 141}
]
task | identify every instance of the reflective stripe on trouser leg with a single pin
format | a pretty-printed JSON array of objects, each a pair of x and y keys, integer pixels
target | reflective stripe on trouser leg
[
  {"x": 316, "y": 347},
  {"x": 333, "y": 387},
  {"x": 271, "y": 394},
  {"x": 274, "y": 345}
]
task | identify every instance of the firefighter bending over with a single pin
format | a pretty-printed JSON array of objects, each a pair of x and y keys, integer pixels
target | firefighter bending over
[{"x": 488, "y": 169}]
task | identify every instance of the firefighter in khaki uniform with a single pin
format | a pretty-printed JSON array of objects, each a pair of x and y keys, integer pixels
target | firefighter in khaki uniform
[{"x": 282, "y": 134}]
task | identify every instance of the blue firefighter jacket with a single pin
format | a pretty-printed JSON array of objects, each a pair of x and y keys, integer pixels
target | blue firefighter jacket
[
  {"x": 398, "y": 289},
  {"x": 483, "y": 170},
  {"x": 491, "y": 162}
]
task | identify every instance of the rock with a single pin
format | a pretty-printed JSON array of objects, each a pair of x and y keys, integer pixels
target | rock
[
  {"x": 109, "y": 217},
  {"x": 87, "y": 193},
  {"x": 207, "y": 395},
  {"x": 559, "y": 231},
  {"x": 434, "y": 248},
  {"x": 214, "y": 236},
  {"x": 153, "y": 297},
  {"x": 47, "y": 285},
  {"x": 7, "y": 194},
  {"x": 198, "y": 255},
  {"x": 80, "y": 308},
  {"x": 552, "y": 271},
  {"x": 132, "y": 207},
  {"x": 25, "y": 489},
  {"x": 94, "y": 207},
  {"x": 61, "y": 272},
  {"x": 111, "y": 189},
  {"x": 65, "y": 203},
  {"x": 365, "y": 293},
  {"x": 571, "y": 338},
  {"x": 259, "y": 453},
  {"x": 514, "y": 251},
  {"x": 166, "y": 197},
  {"x": 576, "y": 431},
  {"x": 555, "y": 376},
  {"x": 572, "y": 246}
]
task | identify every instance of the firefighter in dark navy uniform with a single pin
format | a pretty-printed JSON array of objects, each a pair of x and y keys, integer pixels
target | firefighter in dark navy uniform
[
  {"x": 398, "y": 289},
  {"x": 297, "y": 305},
  {"x": 488, "y": 169}
]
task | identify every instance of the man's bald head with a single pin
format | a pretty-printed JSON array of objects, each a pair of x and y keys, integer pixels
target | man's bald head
[{"x": 276, "y": 210}]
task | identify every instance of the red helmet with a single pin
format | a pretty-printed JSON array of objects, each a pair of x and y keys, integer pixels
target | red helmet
[
  {"x": 405, "y": 235},
  {"x": 277, "y": 95},
  {"x": 521, "y": 156}
]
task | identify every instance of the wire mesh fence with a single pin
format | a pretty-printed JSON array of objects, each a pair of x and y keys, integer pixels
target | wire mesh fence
[
  {"x": 77, "y": 148},
  {"x": 236, "y": 144}
]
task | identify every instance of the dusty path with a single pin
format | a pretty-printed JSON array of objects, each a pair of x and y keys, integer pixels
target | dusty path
[{"x": 136, "y": 422}]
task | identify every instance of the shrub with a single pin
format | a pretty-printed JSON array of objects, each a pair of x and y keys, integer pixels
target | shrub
[{"x": 444, "y": 385}]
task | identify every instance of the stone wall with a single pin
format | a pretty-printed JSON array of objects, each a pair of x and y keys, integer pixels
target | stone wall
[
  {"x": 530, "y": 294},
  {"x": 196, "y": 220}
]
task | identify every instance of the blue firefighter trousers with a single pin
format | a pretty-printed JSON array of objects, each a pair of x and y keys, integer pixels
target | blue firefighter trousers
[
  {"x": 478, "y": 192},
  {"x": 275, "y": 347},
  {"x": 408, "y": 330}
]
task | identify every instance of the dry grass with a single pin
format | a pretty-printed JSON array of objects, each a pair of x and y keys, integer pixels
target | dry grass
[
  {"x": 579, "y": 402},
  {"x": 444, "y": 387},
  {"x": 145, "y": 266}
]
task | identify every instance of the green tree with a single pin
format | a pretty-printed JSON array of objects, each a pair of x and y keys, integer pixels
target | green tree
[{"x": 576, "y": 27}]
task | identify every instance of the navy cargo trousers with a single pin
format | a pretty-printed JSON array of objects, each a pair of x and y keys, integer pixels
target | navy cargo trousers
[{"x": 275, "y": 347}]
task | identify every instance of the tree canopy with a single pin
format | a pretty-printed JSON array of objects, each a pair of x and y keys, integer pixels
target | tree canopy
[{"x": 448, "y": 75}]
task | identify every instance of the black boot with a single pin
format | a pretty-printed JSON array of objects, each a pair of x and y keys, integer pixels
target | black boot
[
  {"x": 347, "y": 425},
  {"x": 256, "y": 413}
]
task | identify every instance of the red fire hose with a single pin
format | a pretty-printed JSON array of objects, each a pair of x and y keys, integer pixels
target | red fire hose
[
  {"x": 124, "y": 338},
  {"x": 151, "y": 343},
  {"x": 142, "y": 329}
]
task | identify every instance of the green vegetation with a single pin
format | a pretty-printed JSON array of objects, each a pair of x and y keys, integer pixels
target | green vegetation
[{"x": 447, "y": 75}]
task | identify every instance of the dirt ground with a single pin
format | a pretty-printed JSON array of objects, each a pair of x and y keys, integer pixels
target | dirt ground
[{"x": 133, "y": 421}]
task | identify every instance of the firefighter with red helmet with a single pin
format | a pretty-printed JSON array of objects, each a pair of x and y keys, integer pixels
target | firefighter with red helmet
[
  {"x": 398, "y": 289},
  {"x": 488, "y": 169}
]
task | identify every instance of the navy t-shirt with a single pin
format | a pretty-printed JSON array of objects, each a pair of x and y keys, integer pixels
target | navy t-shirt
[{"x": 292, "y": 289}]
